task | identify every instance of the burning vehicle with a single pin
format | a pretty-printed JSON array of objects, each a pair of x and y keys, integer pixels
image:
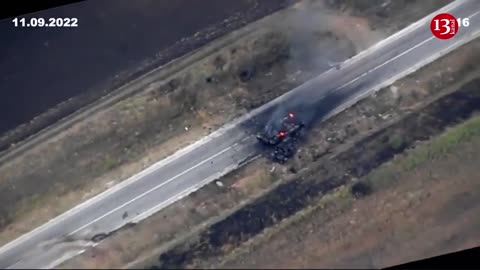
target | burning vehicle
[
  {"x": 290, "y": 127},
  {"x": 283, "y": 139}
]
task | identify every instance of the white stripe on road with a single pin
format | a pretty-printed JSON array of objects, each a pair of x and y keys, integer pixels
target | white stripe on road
[
  {"x": 396, "y": 57},
  {"x": 346, "y": 84},
  {"x": 381, "y": 65},
  {"x": 153, "y": 189},
  {"x": 148, "y": 170}
]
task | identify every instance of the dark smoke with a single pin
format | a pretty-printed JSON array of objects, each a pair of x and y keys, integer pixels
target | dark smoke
[
  {"x": 309, "y": 112},
  {"x": 312, "y": 47},
  {"x": 312, "y": 44},
  {"x": 311, "y": 107}
]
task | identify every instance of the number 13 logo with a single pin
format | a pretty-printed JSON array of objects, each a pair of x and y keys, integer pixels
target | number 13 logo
[{"x": 444, "y": 26}]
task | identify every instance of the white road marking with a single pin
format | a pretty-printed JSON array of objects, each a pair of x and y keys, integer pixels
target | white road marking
[
  {"x": 384, "y": 42},
  {"x": 407, "y": 30},
  {"x": 415, "y": 67},
  {"x": 195, "y": 187},
  {"x": 119, "y": 186},
  {"x": 148, "y": 213},
  {"x": 153, "y": 189},
  {"x": 185, "y": 192},
  {"x": 394, "y": 58},
  {"x": 246, "y": 138},
  {"x": 181, "y": 152},
  {"x": 191, "y": 189},
  {"x": 375, "y": 68},
  {"x": 381, "y": 65},
  {"x": 474, "y": 14},
  {"x": 248, "y": 161}
]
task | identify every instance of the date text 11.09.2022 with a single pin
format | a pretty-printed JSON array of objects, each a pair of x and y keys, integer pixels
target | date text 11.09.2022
[{"x": 45, "y": 22}]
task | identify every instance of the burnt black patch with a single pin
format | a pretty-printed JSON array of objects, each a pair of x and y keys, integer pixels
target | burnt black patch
[
  {"x": 247, "y": 74},
  {"x": 99, "y": 237},
  {"x": 360, "y": 190},
  {"x": 308, "y": 108},
  {"x": 102, "y": 236},
  {"x": 284, "y": 151},
  {"x": 290, "y": 197},
  {"x": 286, "y": 200}
]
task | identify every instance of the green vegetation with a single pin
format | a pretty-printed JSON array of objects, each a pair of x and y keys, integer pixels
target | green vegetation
[
  {"x": 395, "y": 141},
  {"x": 435, "y": 149},
  {"x": 110, "y": 162}
]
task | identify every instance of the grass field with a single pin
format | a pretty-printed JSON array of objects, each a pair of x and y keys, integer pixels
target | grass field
[{"x": 424, "y": 203}]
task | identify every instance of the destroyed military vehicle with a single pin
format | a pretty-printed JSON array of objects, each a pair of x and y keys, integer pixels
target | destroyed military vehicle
[
  {"x": 284, "y": 140},
  {"x": 290, "y": 128}
]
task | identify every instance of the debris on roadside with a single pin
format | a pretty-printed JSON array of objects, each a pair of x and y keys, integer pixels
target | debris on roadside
[
  {"x": 247, "y": 74},
  {"x": 99, "y": 237}
]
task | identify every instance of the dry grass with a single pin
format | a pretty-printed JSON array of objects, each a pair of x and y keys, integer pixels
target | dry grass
[
  {"x": 336, "y": 140},
  {"x": 173, "y": 224},
  {"x": 143, "y": 118},
  {"x": 113, "y": 144},
  {"x": 437, "y": 149},
  {"x": 430, "y": 209},
  {"x": 209, "y": 202}
]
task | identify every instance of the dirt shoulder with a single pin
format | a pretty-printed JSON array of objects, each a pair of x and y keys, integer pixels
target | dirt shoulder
[
  {"x": 346, "y": 148},
  {"x": 131, "y": 46},
  {"x": 425, "y": 203},
  {"x": 200, "y": 230},
  {"x": 170, "y": 113},
  {"x": 113, "y": 144}
]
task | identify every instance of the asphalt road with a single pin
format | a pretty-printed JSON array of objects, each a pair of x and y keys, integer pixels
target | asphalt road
[{"x": 226, "y": 149}]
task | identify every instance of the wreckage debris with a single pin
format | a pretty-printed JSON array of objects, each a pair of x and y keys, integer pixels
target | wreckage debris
[
  {"x": 99, "y": 237},
  {"x": 284, "y": 152},
  {"x": 211, "y": 79},
  {"x": 247, "y": 74},
  {"x": 285, "y": 140}
]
